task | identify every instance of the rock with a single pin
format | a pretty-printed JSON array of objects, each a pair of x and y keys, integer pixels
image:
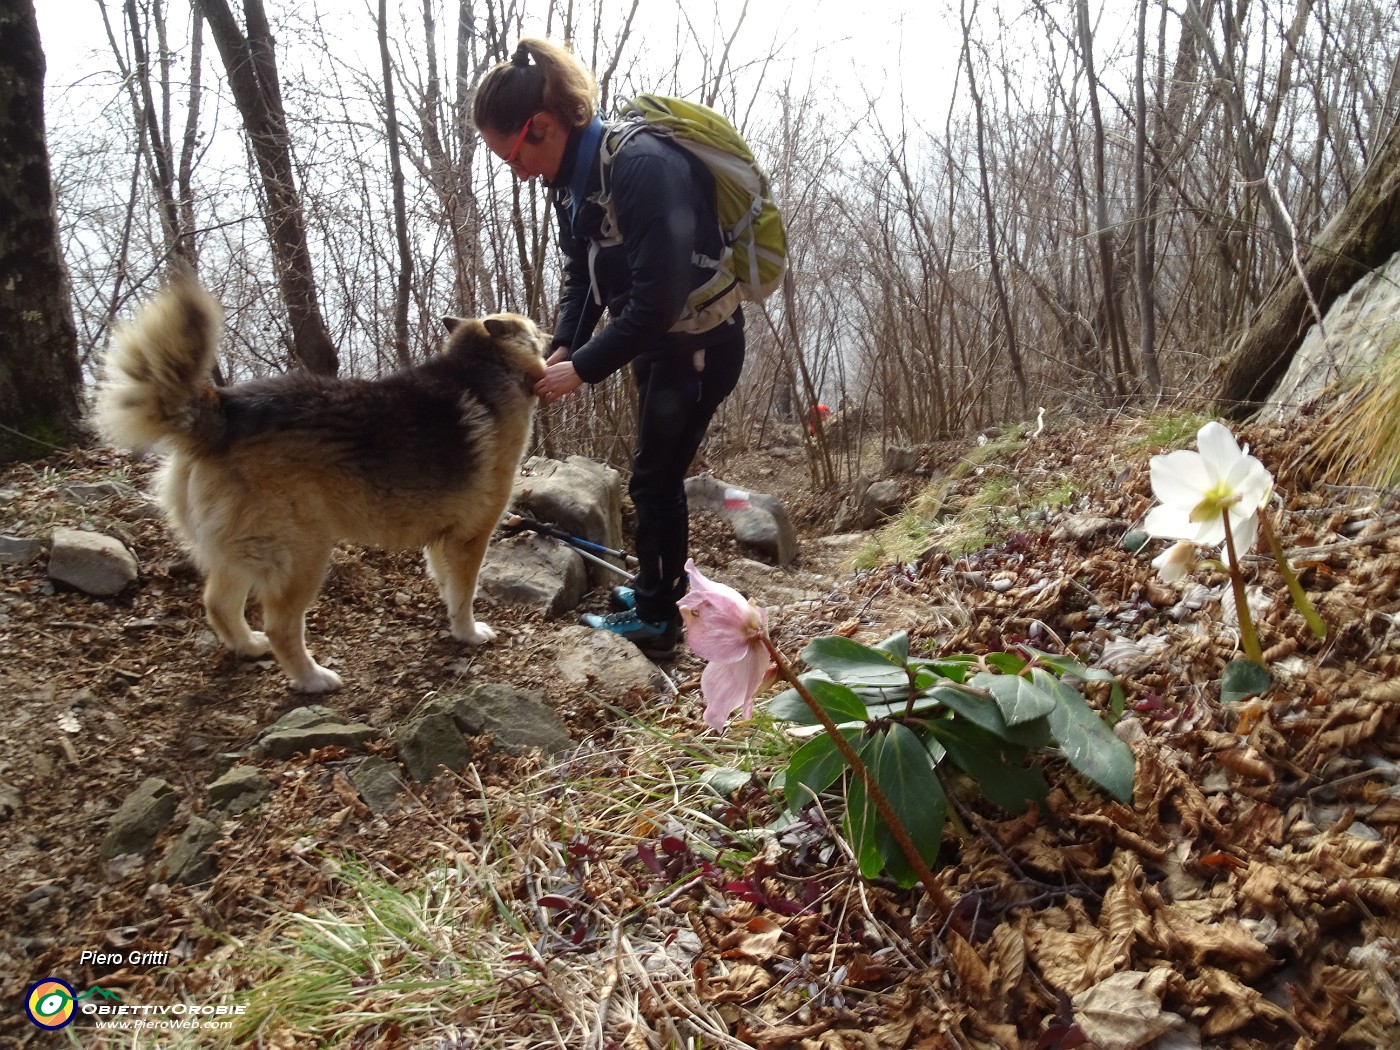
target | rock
[
  {"x": 241, "y": 788},
  {"x": 11, "y": 801},
  {"x": 869, "y": 503},
  {"x": 768, "y": 585},
  {"x": 586, "y": 656},
  {"x": 94, "y": 492},
  {"x": 901, "y": 460},
  {"x": 306, "y": 728},
  {"x": 19, "y": 550},
  {"x": 93, "y": 563},
  {"x": 1084, "y": 527},
  {"x": 536, "y": 573},
  {"x": 140, "y": 818},
  {"x": 379, "y": 783},
  {"x": 1357, "y": 331},
  {"x": 576, "y": 495},
  {"x": 517, "y": 722},
  {"x": 188, "y": 860},
  {"x": 429, "y": 744},
  {"x": 758, "y": 519}
]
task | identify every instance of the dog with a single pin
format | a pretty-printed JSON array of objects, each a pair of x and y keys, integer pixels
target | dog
[{"x": 262, "y": 479}]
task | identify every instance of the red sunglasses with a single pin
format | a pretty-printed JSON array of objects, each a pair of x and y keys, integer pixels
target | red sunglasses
[{"x": 520, "y": 141}]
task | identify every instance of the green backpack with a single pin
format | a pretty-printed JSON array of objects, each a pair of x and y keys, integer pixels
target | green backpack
[{"x": 754, "y": 261}]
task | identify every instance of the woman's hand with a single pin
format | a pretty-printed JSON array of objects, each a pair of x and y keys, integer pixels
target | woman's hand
[{"x": 559, "y": 378}]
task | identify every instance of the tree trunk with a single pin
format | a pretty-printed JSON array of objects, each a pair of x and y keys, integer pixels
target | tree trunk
[
  {"x": 39, "y": 373},
  {"x": 1360, "y": 238},
  {"x": 391, "y": 132},
  {"x": 251, "y": 63}
]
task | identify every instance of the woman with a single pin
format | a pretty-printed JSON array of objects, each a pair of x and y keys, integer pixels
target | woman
[{"x": 538, "y": 112}]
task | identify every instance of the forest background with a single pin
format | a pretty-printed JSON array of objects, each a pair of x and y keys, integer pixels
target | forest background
[{"x": 1000, "y": 207}]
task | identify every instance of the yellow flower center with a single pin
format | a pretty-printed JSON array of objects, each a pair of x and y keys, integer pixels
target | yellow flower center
[{"x": 1217, "y": 500}]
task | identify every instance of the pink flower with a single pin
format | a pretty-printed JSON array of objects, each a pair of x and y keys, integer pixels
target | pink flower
[{"x": 725, "y": 629}]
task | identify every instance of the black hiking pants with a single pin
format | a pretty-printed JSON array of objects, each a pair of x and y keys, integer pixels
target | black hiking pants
[{"x": 677, "y": 395}]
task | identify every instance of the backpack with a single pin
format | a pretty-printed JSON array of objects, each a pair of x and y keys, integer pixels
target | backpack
[{"x": 754, "y": 260}]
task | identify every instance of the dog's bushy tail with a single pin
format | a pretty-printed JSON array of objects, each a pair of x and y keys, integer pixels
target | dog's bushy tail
[{"x": 156, "y": 383}]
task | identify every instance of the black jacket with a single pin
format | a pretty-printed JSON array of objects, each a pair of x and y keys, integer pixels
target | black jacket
[{"x": 664, "y": 203}]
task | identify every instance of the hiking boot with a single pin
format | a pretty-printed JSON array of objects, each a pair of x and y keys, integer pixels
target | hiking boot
[
  {"x": 656, "y": 640},
  {"x": 622, "y": 597}
]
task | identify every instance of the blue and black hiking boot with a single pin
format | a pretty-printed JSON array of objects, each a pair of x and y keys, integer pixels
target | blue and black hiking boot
[
  {"x": 656, "y": 640},
  {"x": 622, "y": 597}
]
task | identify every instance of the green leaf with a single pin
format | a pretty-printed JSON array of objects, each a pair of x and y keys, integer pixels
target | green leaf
[
  {"x": 897, "y": 645},
  {"x": 852, "y": 663},
  {"x": 953, "y": 668},
  {"x": 1243, "y": 679},
  {"x": 905, "y": 772},
  {"x": 836, "y": 700},
  {"x": 860, "y": 825},
  {"x": 987, "y": 715},
  {"x": 815, "y": 766},
  {"x": 990, "y": 763},
  {"x": 724, "y": 781},
  {"x": 1020, "y": 699},
  {"x": 1087, "y": 743},
  {"x": 1068, "y": 667}
]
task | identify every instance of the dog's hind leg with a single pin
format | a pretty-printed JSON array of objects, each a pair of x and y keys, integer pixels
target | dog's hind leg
[
  {"x": 455, "y": 564},
  {"x": 285, "y": 601},
  {"x": 225, "y": 599}
]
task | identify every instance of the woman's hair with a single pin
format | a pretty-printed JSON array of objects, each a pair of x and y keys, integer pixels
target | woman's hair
[{"x": 539, "y": 76}]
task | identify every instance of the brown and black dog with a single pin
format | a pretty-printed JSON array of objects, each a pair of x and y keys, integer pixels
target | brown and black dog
[{"x": 262, "y": 479}]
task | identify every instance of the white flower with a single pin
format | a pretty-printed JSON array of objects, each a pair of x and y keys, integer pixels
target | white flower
[
  {"x": 1197, "y": 489},
  {"x": 1176, "y": 561}
]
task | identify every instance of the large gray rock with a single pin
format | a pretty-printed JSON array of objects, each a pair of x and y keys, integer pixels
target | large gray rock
[
  {"x": 536, "y": 573},
  {"x": 600, "y": 660},
  {"x": 579, "y": 496},
  {"x": 758, "y": 519},
  {"x": 430, "y": 744},
  {"x": 379, "y": 783},
  {"x": 1358, "y": 329},
  {"x": 140, "y": 818},
  {"x": 870, "y": 503},
  {"x": 517, "y": 722},
  {"x": 188, "y": 860},
  {"x": 307, "y": 728},
  {"x": 93, "y": 563},
  {"x": 241, "y": 788}
]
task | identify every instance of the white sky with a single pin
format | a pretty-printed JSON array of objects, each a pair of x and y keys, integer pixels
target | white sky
[{"x": 885, "y": 48}]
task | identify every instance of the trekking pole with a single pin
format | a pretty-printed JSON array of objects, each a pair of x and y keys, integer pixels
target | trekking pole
[{"x": 586, "y": 548}]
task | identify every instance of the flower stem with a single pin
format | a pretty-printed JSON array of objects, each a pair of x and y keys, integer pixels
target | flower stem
[
  {"x": 1295, "y": 588},
  {"x": 936, "y": 895},
  {"x": 1249, "y": 636}
]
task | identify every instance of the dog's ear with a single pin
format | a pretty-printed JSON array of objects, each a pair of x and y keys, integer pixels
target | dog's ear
[
  {"x": 452, "y": 323},
  {"x": 499, "y": 326}
]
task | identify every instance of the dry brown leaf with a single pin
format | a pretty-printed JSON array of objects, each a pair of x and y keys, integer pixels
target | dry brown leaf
[
  {"x": 973, "y": 977},
  {"x": 757, "y": 939},
  {"x": 1223, "y": 942},
  {"x": 1124, "y": 1010}
]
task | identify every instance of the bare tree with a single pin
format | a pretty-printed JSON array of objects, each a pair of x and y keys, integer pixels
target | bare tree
[
  {"x": 39, "y": 374},
  {"x": 251, "y": 64},
  {"x": 391, "y": 133}
]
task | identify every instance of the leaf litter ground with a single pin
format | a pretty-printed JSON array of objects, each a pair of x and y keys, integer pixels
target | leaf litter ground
[{"x": 640, "y": 895}]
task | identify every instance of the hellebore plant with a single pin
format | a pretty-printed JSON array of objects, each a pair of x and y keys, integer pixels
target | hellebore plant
[
  {"x": 1219, "y": 496},
  {"x": 901, "y": 724}
]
